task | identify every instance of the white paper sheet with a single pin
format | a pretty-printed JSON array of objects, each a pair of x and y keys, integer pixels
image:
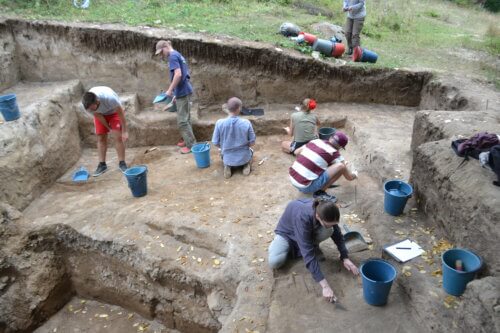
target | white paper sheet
[{"x": 405, "y": 250}]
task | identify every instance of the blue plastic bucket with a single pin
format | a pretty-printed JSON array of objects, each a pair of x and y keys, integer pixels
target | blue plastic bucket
[
  {"x": 9, "y": 108},
  {"x": 377, "y": 276},
  {"x": 397, "y": 193},
  {"x": 326, "y": 132},
  {"x": 368, "y": 56},
  {"x": 201, "y": 153},
  {"x": 455, "y": 281},
  {"x": 137, "y": 180}
]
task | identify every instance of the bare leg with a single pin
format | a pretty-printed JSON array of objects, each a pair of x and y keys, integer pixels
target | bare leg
[
  {"x": 119, "y": 145},
  {"x": 285, "y": 146},
  {"x": 336, "y": 171},
  {"x": 102, "y": 146}
]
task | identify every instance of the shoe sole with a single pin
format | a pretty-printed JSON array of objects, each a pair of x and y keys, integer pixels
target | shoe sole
[{"x": 98, "y": 174}]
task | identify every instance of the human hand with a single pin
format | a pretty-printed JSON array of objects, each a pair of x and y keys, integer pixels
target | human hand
[
  {"x": 169, "y": 92},
  {"x": 124, "y": 136},
  {"x": 329, "y": 295},
  {"x": 345, "y": 9},
  {"x": 350, "y": 266}
]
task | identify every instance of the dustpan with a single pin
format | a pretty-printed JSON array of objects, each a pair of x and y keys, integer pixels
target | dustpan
[
  {"x": 81, "y": 175},
  {"x": 354, "y": 240}
]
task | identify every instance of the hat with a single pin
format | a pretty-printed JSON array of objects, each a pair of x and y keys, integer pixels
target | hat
[
  {"x": 160, "y": 45},
  {"x": 341, "y": 139}
]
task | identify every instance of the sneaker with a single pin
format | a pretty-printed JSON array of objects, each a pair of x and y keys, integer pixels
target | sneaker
[
  {"x": 227, "y": 171},
  {"x": 181, "y": 143},
  {"x": 246, "y": 169},
  {"x": 324, "y": 196},
  {"x": 101, "y": 168},
  {"x": 349, "y": 51},
  {"x": 319, "y": 254},
  {"x": 122, "y": 165},
  {"x": 185, "y": 150}
]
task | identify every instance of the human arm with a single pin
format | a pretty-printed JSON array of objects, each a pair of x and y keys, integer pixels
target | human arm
[
  {"x": 357, "y": 6},
  {"x": 304, "y": 236},
  {"x": 216, "y": 135},
  {"x": 299, "y": 150},
  {"x": 289, "y": 129},
  {"x": 345, "y": 7},
  {"x": 123, "y": 121},
  {"x": 102, "y": 120},
  {"x": 175, "y": 81},
  {"x": 251, "y": 136},
  {"x": 327, "y": 291},
  {"x": 338, "y": 239}
]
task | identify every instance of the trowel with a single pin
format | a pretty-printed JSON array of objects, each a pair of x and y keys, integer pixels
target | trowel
[{"x": 338, "y": 305}]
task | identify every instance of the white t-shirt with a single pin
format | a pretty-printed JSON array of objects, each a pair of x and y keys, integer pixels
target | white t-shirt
[{"x": 108, "y": 99}]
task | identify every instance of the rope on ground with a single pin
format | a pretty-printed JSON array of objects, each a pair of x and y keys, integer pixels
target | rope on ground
[{"x": 84, "y": 4}]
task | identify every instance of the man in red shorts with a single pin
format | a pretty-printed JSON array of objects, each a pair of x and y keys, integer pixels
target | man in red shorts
[{"x": 109, "y": 115}]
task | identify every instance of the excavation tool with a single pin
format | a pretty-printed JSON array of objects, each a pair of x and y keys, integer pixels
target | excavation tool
[{"x": 354, "y": 240}]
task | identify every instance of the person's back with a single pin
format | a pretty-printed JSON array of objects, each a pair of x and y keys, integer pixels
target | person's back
[
  {"x": 304, "y": 129},
  {"x": 234, "y": 136},
  {"x": 108, "y": 99}
]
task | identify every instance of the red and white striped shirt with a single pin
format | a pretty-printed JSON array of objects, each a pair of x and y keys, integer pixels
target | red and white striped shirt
[{"x": 314, "y": 159}]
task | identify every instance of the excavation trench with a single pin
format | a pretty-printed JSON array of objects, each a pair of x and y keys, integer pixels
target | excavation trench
[{"x": 191, "y": 255}]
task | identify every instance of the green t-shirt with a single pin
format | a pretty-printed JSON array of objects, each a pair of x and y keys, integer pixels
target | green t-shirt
[{"x": 303, "y": 126}]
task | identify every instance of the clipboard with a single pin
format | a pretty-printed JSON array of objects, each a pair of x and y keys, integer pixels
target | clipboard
[{"x": 404, "y": 251}]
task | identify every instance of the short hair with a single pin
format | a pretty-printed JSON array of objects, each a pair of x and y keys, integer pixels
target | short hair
[
  {"x": 233, "y": 104},
  {"x": 327, "y": 210},
  {"x": 88, "y": 99}
]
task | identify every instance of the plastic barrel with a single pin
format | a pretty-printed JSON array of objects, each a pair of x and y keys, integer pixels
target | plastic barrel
[
  {"x": 338, "y": 50},
  {"x": 397, "y": 193},
  {"x": 455, "y": 281},
  {"x": 309, "y": 38},
  {"x": 357, "y": 53},
  {"x": 201, "y": 153},
  {"x": 9, "y": 108},
  {"x": 368, "y": 56},
  {"x": 137, "y": 180},
  {"x": 323, "y": 46},
  {"x": 326, "y": 132},
  {"x": 377, "y": 276}
]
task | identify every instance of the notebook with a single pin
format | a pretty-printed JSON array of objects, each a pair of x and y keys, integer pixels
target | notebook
[{"x": 404, "y": 251}]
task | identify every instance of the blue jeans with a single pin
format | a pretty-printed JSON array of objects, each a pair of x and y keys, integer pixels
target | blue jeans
[
  {"x": 316, "y": 184},
  {"x": 279, "y": 247}
]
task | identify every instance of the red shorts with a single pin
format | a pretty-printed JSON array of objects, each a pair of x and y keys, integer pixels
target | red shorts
[{"x": 113, "y": 121}]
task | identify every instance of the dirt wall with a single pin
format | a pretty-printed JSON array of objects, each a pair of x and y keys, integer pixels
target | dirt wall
[
  {"x": 39, "y": 147},
  {"x": 122, "y": 58},
  {"x": 9, "y": 67}
]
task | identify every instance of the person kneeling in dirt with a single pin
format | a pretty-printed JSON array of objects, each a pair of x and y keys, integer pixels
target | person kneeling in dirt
[
  {"x": 304, "y": 224},
  {"x": 104, "y": 104},
  {"x": 234, "y": 136},
  {"x": 303, "y": 127},
  {"x": 319, "y": 165}
]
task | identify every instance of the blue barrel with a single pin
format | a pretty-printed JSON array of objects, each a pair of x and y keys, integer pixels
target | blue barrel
[
  {"x": 368, "y": 56},
  {"x": 377, "y": 276},
  {"x": 137, "y": 180},
  {"x": 323, "y": 46},
  {"x": 201, "y": 153},
  {"x": 397, "y": 193},
  {"x": 9, "y": 108},
  {"x": 455, "y": 281},
  {"x": 326, "y": 132}
]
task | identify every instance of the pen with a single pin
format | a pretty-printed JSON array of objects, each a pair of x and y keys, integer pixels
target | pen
[{"x": 403, "y": 248}]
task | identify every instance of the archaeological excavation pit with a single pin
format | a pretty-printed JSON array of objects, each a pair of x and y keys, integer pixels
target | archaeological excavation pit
[{"x": 191, "y": 256}]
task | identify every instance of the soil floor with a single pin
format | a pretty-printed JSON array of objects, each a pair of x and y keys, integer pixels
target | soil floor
[{"x": 233, "y": 220}]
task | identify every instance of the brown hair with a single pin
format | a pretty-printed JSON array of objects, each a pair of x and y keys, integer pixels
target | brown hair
[
  {"x": 305, "y": 105},
  {"x": 327, "y": 210},
  {"x": 88, "y": 99}
]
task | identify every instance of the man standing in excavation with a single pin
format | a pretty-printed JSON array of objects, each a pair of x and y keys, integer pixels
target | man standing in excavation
[{"x": 180, "y": 88}]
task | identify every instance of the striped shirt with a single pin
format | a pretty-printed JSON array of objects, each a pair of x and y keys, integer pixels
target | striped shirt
[{"x": 314, "y": 159}]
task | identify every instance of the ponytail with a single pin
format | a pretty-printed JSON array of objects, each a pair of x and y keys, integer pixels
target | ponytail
[{"x": 327, "y": 210}]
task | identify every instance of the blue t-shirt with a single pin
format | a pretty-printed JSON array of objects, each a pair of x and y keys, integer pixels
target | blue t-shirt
[
  {"x": 234, "y": 136},
  {"x": 176, "y": 60}
]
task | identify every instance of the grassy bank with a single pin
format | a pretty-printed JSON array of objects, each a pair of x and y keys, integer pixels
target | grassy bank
[{"x": 436, "y": 35}]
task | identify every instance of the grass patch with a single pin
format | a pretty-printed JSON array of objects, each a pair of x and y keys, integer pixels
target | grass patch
[{"x": 405, "y": 33}]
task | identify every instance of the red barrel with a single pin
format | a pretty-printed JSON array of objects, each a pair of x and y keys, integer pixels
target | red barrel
[
  {"x": 309, "y": 38},
  {"x": 356, "y": 55},
  {"x": 338, "y": 50}
]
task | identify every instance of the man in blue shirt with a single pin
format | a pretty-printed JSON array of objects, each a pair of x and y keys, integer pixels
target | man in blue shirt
[
  {"x": 234, "y": 136},
  {"x": 180, "y": 88}
]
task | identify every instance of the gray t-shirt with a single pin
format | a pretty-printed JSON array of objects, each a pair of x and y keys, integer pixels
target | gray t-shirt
[
  {"x": 304, "y": 125},
  {"x": 108, "y": 99},
  {"x": 358, "y": 9}
]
